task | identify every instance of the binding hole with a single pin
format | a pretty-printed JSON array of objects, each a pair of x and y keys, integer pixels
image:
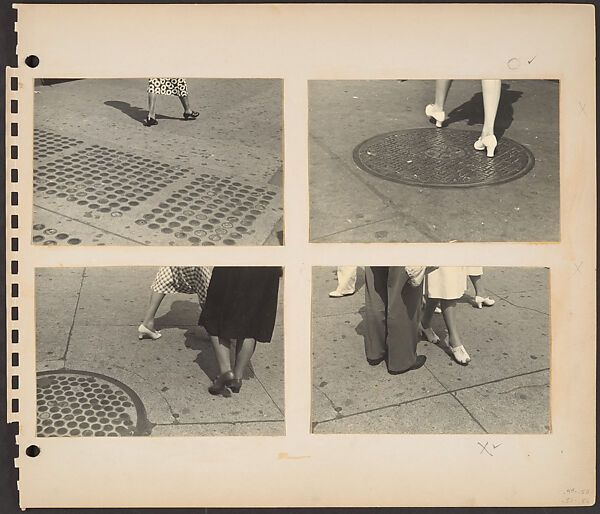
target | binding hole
[
  {"x": 32, "y": 61},
  {"x": 32, "y": 451}
]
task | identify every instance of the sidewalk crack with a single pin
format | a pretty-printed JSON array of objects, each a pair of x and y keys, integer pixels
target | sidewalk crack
[{"x": 64, "y": 357}]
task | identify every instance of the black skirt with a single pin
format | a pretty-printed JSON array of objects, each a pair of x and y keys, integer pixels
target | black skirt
[{"x": 241, "y": 302}]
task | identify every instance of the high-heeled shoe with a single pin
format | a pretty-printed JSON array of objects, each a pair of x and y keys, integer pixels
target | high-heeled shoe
[
  {"x": 221, "y": 383},
  {"x": 145, "y": 333},
  {"x": 235, "y": 385},
  {"x": 428, "y": 334},
  {"x": 150, "y": 122},
  {"x": 190, "y": 115},
  {"x": 458, "y": 352},
  {"x": 480, "y": 301},
  {"x": 433, "y": 111},
  {"x": 487, "y": 142}
]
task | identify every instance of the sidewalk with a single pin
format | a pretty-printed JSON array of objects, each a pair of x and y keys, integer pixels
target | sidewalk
[
  {"x": 87, "y": 321},
  {"x": 504, "y": 389},
  {"x": 102, "y": 177},
  {"x": 351, "y": 205}
]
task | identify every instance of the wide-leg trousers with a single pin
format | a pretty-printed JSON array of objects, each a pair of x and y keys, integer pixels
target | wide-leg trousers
[{"x": 392, "y": 316}]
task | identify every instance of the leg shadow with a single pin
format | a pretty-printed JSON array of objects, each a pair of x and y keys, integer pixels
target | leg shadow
[
  {"x": 472, "y": 110},
  {"x": 135, "y": 113}
]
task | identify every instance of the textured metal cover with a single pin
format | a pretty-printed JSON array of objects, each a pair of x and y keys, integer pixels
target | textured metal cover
[
  {"x": 81, "y": 403},
  {"x": 441, "y": 158}
]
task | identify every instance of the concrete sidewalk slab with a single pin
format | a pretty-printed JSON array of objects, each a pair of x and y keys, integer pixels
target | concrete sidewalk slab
[
  {"x": 438, "y": 415},
  {"x": 519, "y": 405},
  {"x": 526, "y": 209}
]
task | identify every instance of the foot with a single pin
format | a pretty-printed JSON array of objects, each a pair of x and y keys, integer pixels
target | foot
[
  {"x": 235, "y": 385},
  {"x": 338, "y": 294},
  {"x": 480, "y": 301},
  {"x": 146, "y": 333},
  {"x": 221, "y": 383},
  {"x": 428, "y": 334},
  {"x": 192, "y": 115},
  {"x": 488, "y": 143},
  {"x": 435, "y": 112},
  {"x": 458, "y": 352},
  {"x": 150, "y": 122},
  {"x": 418, "y": 364}
]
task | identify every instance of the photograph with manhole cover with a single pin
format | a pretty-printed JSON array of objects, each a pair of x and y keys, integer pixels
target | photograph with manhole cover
[
  {"x": 430, "y": 350},
  {"x": 434, "y": 160},
  {"x": 170, "y": 351},
  {"x": 158, "y": 162}
]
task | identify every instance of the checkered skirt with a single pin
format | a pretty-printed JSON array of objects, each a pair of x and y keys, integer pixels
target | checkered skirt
[
  {"x": 174, "y": 87},
  {"x": 183, "y": 279}
]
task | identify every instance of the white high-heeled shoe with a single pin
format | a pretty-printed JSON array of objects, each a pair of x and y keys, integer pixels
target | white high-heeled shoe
[
  {"x": 459, "y": 353},
  {"x": 480, "y": 301},
  {"x": 487, "y": 142},
  {"x": 146, "y": 333},
  {"x": 433, "y": 111}
]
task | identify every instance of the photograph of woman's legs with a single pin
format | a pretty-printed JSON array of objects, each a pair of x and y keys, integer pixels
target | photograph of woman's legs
[
  {"x": 136, "y": 366},
  {"x": 384, "y": 361},
  {"x": 485, "y": 152}
]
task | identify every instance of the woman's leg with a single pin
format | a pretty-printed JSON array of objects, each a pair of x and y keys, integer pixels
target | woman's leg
[
  {"x": 491, "y": 98},
  {"x": 221, "y": 348},
  {"x": 244, "y": 353},
  {"x": 441, "y": 92},
  {"x": 152, "y": 105},
  {"x": 186, "y": 104},
  {"x": 478, "y": 285},
  {"x": 425, "y": 327},
  {"x": 449, "y": 313},
  {"x": 153, "y": 305}
]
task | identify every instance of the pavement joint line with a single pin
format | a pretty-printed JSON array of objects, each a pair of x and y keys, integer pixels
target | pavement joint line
[
  {"x": 267, "y": 392},
  {"x": 246, "y": 421},
  {"x": 435, "y": 395},
  {"x": 64, "y": 357},
  {"x": 90, "y": 225},
  {"x": 520, "y": 306},
  {"x": 469, "y": 412},
  {"x": 416, "y": 223},
  {"x": 333, "y": 405}
]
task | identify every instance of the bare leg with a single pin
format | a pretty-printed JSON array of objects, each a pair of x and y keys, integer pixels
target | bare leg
[
  {"x": 478, "y": 285},
  {"x": 153, "y": 305},
  {"x": 221, "y": 348},
  {"x": 186, "y": 104},
  {"x": 244, "y": 354},
  {"x": 441, "y": 92},
  {"x": 491, "y": 98},
  {"x": 152, "y": 105},
  {"x": 449, "y": 313},
  {"x": 427, "y": 331}
]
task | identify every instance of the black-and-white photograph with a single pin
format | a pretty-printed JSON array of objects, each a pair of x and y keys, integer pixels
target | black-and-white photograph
[
  {"x": 159, "y": 161},
  {"x": 434, "y": 160},
  {"x": 430, "y": 350},
  {"x": 170, "y": 351}
]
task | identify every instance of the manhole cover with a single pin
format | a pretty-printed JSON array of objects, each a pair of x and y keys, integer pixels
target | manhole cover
[
  {"x": 81, "y": 403},
  {"x": 441, "y": 158}
]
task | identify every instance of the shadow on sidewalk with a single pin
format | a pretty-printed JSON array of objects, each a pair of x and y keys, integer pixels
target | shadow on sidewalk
[
  {"x": 135, "y": 113},
  {"x": 472, "y": 110}
]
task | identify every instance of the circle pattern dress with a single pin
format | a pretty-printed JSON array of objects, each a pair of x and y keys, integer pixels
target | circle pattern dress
[
  {"x": 241, "y": 302},
  {"x": 162, "y": 86}
]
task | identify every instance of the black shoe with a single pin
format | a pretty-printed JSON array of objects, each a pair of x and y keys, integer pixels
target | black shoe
[
  {"x": 221, "y": 383},
  {"x": 151, "y": 122},
  {"x": 235, "y": 385},
  {"x": 190, "y": 115},
  {"x": 418, "y": 364}
]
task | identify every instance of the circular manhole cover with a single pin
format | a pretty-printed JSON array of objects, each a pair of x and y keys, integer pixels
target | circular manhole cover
[
  {"x": 441, "y": 158},
  {"x": 81, "y": 403}
]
